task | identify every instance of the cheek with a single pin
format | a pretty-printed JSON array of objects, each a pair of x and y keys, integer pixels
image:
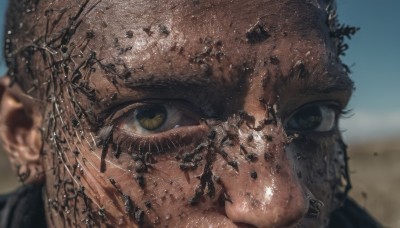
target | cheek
[
  {"x": 163, "y": 187},
  {"x": 321, "y": 166},
  {"x": 163, "y": 191}
]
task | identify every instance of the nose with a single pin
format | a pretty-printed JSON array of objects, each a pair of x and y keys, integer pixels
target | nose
[{"x": 264, "y": 190}]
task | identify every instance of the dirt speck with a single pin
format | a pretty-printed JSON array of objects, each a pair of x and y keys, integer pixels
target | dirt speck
[
  {"x": 256, "y": 34},
  {"x": 129, "y": 34}
]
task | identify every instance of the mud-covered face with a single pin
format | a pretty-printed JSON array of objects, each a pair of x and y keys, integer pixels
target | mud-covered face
[{"x": 192, "y": 113}]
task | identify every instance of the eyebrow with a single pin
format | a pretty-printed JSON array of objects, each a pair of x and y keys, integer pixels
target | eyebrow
[
  {"x": 328, "y": 84},
  {"x": 169, "y": 81}
]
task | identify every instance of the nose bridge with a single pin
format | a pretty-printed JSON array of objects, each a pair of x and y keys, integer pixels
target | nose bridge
[{"x": 262, "y": 187}]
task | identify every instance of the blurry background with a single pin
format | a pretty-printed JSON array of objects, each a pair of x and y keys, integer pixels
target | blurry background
[{"x": 373, "y": 130}]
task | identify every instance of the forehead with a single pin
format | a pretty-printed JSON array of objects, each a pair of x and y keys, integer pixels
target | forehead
[
  {"x": 151, "y": 29},
  {"x": 222, "y": 40}
]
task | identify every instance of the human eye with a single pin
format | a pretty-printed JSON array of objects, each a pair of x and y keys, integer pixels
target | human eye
[
  {"x": 316, "y": 117},
  {"x": 154, "y": 117},
  {"x": 155, "y": 125}
]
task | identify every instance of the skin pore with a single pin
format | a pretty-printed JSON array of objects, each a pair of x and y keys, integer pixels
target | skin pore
[{"x": 179, "y": 113}]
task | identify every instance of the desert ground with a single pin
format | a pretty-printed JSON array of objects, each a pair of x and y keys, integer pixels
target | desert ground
[
  {"x": 374, "y": 168},
  {"x": 375, "y": 175}
]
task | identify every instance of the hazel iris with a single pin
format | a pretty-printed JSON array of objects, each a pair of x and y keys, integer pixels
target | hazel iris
[{"x": 151, "y": 117}]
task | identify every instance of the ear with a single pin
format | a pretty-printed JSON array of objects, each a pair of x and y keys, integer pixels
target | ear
[{"x": 20, "y": 131}]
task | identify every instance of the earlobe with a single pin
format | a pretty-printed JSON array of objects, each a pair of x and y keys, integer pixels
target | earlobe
[{"x": 20, "y": 132}]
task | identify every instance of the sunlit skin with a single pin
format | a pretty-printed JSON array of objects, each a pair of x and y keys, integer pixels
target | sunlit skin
[{"x": 227, "y": 76}]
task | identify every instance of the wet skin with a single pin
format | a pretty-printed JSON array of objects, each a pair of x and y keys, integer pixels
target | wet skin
[{"x": 240, "y": 100}]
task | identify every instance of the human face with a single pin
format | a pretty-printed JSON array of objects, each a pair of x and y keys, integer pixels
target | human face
[{"x": 193, "y": 113}]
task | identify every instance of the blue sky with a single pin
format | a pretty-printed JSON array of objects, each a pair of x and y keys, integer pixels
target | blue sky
[
  {"x": 374, "y": 57},
  {"x": 3, "y": 4}
]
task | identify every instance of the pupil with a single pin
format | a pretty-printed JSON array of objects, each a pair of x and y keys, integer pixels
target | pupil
[
  {"x": 309, "y": 118},
  {"x": 151, "y": 117}
]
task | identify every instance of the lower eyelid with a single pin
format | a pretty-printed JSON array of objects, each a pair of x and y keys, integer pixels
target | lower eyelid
[{"x": 160, "y": 142}]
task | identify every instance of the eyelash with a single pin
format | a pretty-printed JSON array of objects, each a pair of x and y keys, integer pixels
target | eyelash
[
  {"x": 345, "y": 113},
  {"x": 158, "y": 142}
]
